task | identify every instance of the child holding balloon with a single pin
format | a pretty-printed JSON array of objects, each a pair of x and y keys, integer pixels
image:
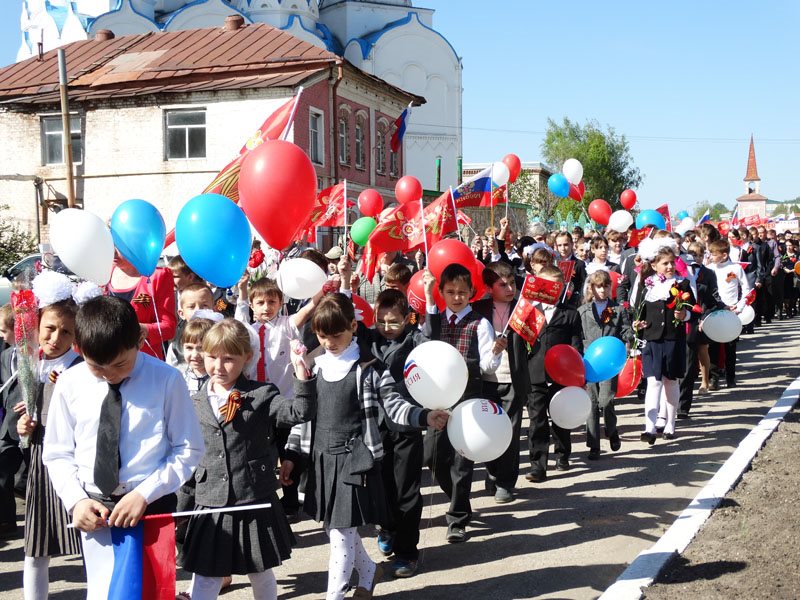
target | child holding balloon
[
  {"x": 662, "y": 313},
  {"x": 474, "y": 337},
  {"x": 602, "y": 316},
  {"x": 345, "y": 489}
]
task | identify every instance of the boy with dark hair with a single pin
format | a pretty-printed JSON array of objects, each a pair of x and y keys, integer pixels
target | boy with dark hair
[
  {"x": 121, "y": 437},
  {"x": 473, "y": 336},
  {"x": 398, "y": 277},
  {"x": 563, "y": 327},
  {"x": 508, "y": 385},
  {"x": 565, "y": 251},
  {"x": 182, "y": 275}
]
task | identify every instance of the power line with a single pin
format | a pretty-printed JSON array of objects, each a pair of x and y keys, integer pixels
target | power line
[{"x": 643, "y": 138}]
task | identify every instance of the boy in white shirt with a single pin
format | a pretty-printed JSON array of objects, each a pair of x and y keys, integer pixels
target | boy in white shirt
[
  {"x": 122, "y": 434},
  {"x": 733, "y": 289}
]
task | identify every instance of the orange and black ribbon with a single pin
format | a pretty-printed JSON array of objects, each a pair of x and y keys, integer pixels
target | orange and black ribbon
[{"x": 231, "y": 406}]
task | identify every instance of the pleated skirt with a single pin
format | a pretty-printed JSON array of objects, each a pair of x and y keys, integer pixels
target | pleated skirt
[
  {"x": 237, "y": 543},
  {"x": 340, "y": 505},
  {"x": 46, "y": 519}
]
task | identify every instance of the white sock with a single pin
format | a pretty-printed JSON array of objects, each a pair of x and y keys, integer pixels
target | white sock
[
  {"x": 206, "y": 588},
  {"x": 341, "y": 562},
  {"x": 264, "y": 585},
  {"x": 365, "y": 566},
  {"x": 651, "y": 402},
  {"x": 672, "y": 394},
  {"x": 35, "y": 577}
]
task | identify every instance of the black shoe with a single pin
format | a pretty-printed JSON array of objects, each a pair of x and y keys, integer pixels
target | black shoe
[
  {"x": 650, "y": 438},
  {"x": 456, "y": 534},
  {"x": 683, "y": 414},
  {"x": 594, "y": 454},
  {"x": 562, "y": 464},
  {"x": 536, "y": 476},
  {"x": 669, "y": 436},
  {"x": 714, "y": 384},
  {"x": 730, "y": 384},
  {"x": 615, "y": 442},
  {"x": 503, "y": 495},
  {"x": 8, "y": 530},
  {"x": 659, "y": 430}
]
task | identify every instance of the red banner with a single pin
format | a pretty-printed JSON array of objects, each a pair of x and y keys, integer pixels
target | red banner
[
  {"x": 663, "y": 210},
  {"x": 527, "y": 320},
  {"x": 538, "y": 289},
  {"x": 567, "y": 267}
]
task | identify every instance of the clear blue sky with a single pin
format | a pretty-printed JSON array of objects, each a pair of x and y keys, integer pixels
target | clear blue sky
[{"x": 686, "y": 81}]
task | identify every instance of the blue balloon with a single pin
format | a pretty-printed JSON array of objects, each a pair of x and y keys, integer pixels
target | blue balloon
[
  {"x": 650, "y": 218},
  {"x": 213, "y": 237},
  {"x": 604, "y": 358},
  {"x": 138, "y": 231},
  {"x": 682, "y": 215},
  {"x": 559, "y": 185}
]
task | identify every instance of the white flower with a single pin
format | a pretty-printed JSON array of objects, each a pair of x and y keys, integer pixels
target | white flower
[
  {"x": 86, "y": 290},
  {"x": 50, "y": 287}
]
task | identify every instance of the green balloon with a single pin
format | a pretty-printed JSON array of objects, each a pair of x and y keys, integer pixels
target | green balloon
[{"x": 360, "y": 230}]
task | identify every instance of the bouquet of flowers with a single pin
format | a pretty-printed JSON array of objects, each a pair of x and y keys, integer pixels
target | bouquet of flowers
[
  {"x": 26, "y": 339},
  {"x": 680, "y": 300}
]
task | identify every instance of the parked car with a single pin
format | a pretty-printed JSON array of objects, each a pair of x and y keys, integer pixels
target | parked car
[{"x": 30, "y": 264}]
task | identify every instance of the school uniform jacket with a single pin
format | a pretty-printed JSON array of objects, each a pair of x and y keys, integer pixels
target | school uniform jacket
[
  {"x": 661, "y": 319},
  {"x": 9, "y": 438},
  {"x": 517, "y": 349},
  {"x": 238, "y": 466},
  {"x": 564, "y": 328},
  {"x": 619, "y": 326}
]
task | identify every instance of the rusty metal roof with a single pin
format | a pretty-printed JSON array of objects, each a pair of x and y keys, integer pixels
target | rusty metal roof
[{"x": 253, "y": 56}]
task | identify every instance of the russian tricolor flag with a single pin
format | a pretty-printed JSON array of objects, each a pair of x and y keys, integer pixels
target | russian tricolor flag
[
  {"x": 134, "y": 563},
  {"x": 400, "y": 130},
  {"x": 706, "y": 217}
]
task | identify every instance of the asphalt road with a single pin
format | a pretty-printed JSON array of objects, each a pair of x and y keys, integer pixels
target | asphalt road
[{"x": 567, "y": 538}]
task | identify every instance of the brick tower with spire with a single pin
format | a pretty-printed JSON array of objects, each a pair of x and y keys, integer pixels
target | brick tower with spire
[{"x": 752, "y": 203}]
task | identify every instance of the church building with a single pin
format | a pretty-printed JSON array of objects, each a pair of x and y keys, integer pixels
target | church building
[
  {"x": 389, "y": 39},
  {"x": 752, "y": 203}
]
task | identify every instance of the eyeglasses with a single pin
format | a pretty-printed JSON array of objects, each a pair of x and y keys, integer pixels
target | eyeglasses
[{"x": 390, "y": 326}]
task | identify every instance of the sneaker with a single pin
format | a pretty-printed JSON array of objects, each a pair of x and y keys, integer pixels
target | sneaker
[
  {"x": 536, "y": 476},
  {"x": 650, "y": 438},
  {"x": 400, "y": 569},
  {"x": 385, "y": 542},
  {"x": 562, "y": 464},
  {"x": 456, "y": 534},
  {"x": 615, "y": 442},
  {"x": 503, "y": 495},
  {"x": 594, "y": 454}
]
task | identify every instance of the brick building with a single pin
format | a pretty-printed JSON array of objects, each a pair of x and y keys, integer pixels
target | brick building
[{"x": 157, "y": 115}]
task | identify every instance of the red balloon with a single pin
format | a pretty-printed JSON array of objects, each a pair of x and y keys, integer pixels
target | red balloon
[
  {"x": 514, "y": 165},
  {"x": 408, "y": 189},
  {"x": 615, "y": 279},
  {"x": 476, "y": 273},
  {"x": 367, "y": 315},
  {"x": 629, "y": 378},
  {"x": 582, "y": 188},
  {"x": 564, "y": 365},
  {"x": 277, "y": 190},
  {"x": 416, "y": 294},
  {"x": 370, "y": 203},
  {"x": 600, "y": 211},
  {"x": 574, "y": 192},
  {"x": 447, "y": 252},
  {"x": 627, "y": 199}
]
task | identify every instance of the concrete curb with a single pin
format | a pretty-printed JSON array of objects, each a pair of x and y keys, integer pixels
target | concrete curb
[{"x": 649, "y": 563}]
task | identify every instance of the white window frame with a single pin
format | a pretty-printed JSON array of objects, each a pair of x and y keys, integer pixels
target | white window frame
[
  {"x": 186, "y": 128},
  {"x": 380, "y": 151},
  {"x": 344, "y": 139},
  {"x": 57, "y": 137},
  {"x": 316, "y": 135},
  {"x": 360, "y": 158}
]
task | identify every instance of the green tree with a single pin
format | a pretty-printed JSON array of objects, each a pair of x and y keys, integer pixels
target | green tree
[
  {"x": 15, "y": 243},
  {"x": 542, "y": 205},
  {"x": 608, "y": 167},
  {"x": 715, "y": 210}
]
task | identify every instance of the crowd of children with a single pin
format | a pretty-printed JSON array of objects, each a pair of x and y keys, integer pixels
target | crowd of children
[{"x": 231, "y": 399}]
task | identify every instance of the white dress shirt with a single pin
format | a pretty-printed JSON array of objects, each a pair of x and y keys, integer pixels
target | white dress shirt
[
  {"x": 278, "y": 334},
  {"x": 160, "y": 439},
  {"x": 728, "y": 287},
  {"x": 486, "y": 338}
]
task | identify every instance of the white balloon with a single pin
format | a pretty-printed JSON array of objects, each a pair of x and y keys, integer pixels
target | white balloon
[
  {"x": 479, "y": 430},
  {"x": 747, "y": 315},
  {"x": 84, "y": 244},
  {"x": 620, "y": 220},
  {"x": 573, "y": 170},
  {"x": 500, "y": 174},
  {"x": 435, "y": 375},
  {"x": 300, "y": 278},
  {"x": 570, "y": 407},
  {"x": 686, "y": 224},
  {"x": 722, "y": 326}
]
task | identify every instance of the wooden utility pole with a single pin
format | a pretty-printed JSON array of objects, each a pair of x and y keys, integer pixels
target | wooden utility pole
[{"x": 67, "y": 134}]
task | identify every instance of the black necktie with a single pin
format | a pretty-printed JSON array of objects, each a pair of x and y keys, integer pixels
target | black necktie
[{"x": 106, "y": 462}]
